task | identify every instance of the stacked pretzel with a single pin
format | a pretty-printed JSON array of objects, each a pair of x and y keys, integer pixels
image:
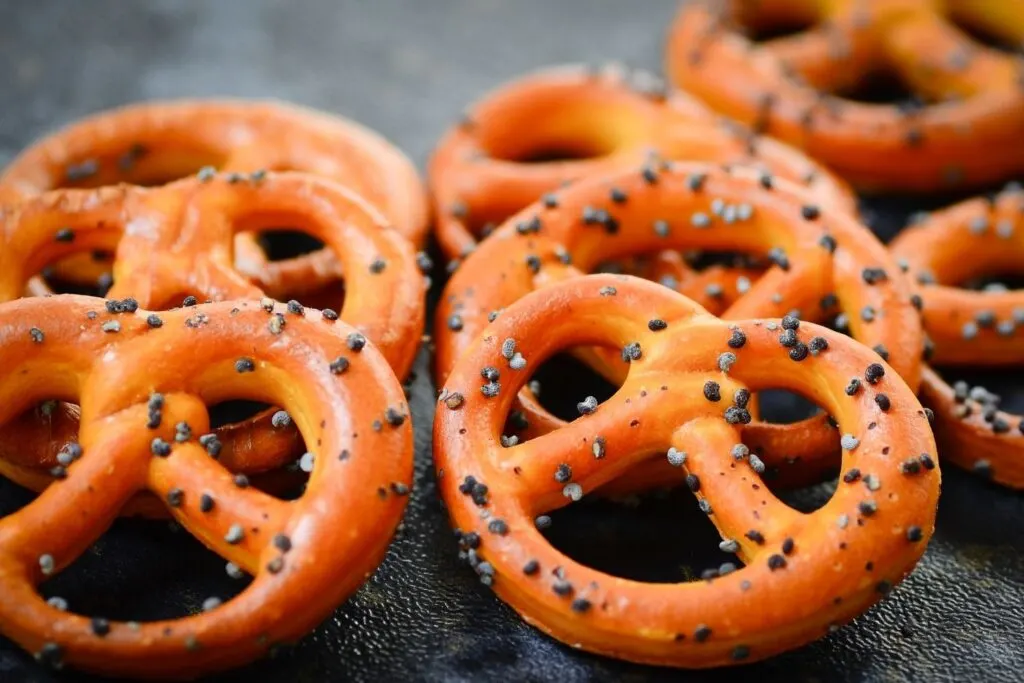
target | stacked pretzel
[
  {"x": 570, "y": 172},
  {"x": 162, "y": 206}
]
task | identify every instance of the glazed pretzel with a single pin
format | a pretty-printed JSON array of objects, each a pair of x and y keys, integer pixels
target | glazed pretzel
[
  {"x": 176, "y": 240},
  {"x": 806, "y": 573},
  {"x": 303, "y": 568},
  {"x": 972, "y": 239},
  {"x": 157, "y": 142},
  {"x": 965, "y": 132},
  {"x": 826, "y": 263},
  {"x": 480, "y": 172}
]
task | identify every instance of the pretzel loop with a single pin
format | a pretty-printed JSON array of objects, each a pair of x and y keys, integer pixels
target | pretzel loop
[
  {"x": 298, "y": 580},
  {"x": 495, "y": 492}
]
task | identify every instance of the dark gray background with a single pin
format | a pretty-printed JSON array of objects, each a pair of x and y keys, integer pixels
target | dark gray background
[{"x": 407, "y": 68}]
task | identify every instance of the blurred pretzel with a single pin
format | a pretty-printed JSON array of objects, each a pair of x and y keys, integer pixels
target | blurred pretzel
[
  {"x": 113, "y": 364},
  {"x": 493, "y": 163},
  {"x": 804, "y": 574},
  {"x": 826, "y": 266},
  {"x": 159, "y": 142},
  {"x": 176, "y": 240},
  {"x": 967, "y": 241},
  {"x": 962, "y": 129}
]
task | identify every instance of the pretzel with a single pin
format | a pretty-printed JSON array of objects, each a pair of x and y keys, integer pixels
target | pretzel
[
  {"x": 177, "y": 240},
  {"x": 806, "y": 574},
  {"x": 113, "y": 364},
  {"x": 975, "y": 238},
  {"x": 157, "y": 142},
  {"x": 481, "y": 171},
  {"x": 825, "y": 263},
  {"x": 962, "y": 129}
]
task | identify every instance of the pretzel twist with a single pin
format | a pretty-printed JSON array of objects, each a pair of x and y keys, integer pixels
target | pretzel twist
[
  {"x": 825, "y": 263},
  {"x": 481, "y": 171},
  {"x": 154, "y": 143},
  {"x": 964, "y": 132},
  {"x": 178, "y": 239},
  {"x": 303, "y": 567},
  {"x": 806, "y": 574},
  {"x": 973, "y": 239}
]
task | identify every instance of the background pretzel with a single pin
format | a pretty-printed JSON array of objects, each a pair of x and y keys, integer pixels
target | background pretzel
[
  {"x": 964, "y": 130},
  {"x": 806, "y": 574},
  {"x": 973, "y": 239},
  {"x": 158, "y": 142},
  {"x": 303, "y": 567},
  {"x": 177, "y": 240},
  {"x": 825, "y": 263},
  {"x": 492, "y": 164}
]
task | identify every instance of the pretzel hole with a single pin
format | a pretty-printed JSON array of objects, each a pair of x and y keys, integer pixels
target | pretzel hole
[
  {"x": 283, "y": 243},
  {"x": 143, "y": 570},
  {"x": 779, "y": 406},
  {"x": 660, "y": 537},
  {"x": 564, "y": 381},
  {"x": 882, "y": 86}
]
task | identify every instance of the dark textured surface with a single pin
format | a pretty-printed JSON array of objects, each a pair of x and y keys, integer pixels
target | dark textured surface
[{"x": 406, "y": 68}]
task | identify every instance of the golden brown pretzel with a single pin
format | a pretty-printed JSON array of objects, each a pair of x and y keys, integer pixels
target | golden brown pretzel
[
  {"x": 177, "y": 240},
  {"x": 158, "y": 142},
  {"x": 806, "y": 574},
  {"x": 965, "y": 133},
  {"x": 972, "y": 239},
  {"x": 481, "y": 171},
  {"x": 355, "y": 422},
  {"x": 826, "y": 263}
]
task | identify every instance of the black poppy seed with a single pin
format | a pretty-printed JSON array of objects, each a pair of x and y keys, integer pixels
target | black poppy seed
[
  {"x": 851, "y": 476},
  {"x": 491, "y": 389},
  {"x": 245, "y": 365},
  {"x": 394, "y": 417},
  {"x": 471, "y": 539},
  {"x": 490, "y": 373},
  {"x": 241, "y": 481},
  {"x": 755, "y": 536},
  {"x": 881, "y": 351},
  {"x": 712, "y": 391},
  {"x": 563, "y": 473},
  {"x": 378, "y": 265},
  {"x": 778, "y": 256},
  {"x": 776, "y": 561},
  {"x": 737, "y": 339},
  {"x": 788, "y": 339},
  {"x": 160, "y": 448},
  {"x": 867, "y": 314},
  {"x": 82, "y": 170},
  {"x": 100, "y": 626},
  {"x": 533, "y": 263},
  {"x": 741, "y": 398},
  {"x": 497, "y": 526},
  {"x": 917, "y": 302},
  {"x": 154, "y": 321},
  {"x": 883, "y": 402},
  {"x": 562, "y": 587},
  {"x": 329, "y": 314},
  {"x": 693, "y": 482},
  {"x": 656, "y": 325},
  {"x": 828, "y": 242},
  {"x": 816, "y": 345},
  {"x": 702, "y": 633},
  {"x": 531, "y": 568},
  {"x": 867, "y": 507},
  {"x": 211, "y": 443},
  {"x": 736, "y": 415},
  {"x": 51, "y": 655},
  {"x": 874, "y": 373},
  {"x": 883, "y": 587},
  {"x": 695, "y": 181},
  {"x": 205, "y": 502},
  {"x": 617, "y": 195},
  {"x": 282, "y": 542},
  {"x": 873, "y": 275},
  {"x": 787, "y": 546},
  {"x": 798, "y": 352},
  {"x": 580, "y": 605},
  {"x": 542, "y": 522},
  {"x": 790, "y": 322},
  {"x": 649, "y": 174},
  {"x": 175, "y": 497}
]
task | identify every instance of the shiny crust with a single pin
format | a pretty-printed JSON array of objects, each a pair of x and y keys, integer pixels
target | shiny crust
[
  {"x": 510, "y": 264},
  {"x": 837, "y": 561},
  {"x": 969, "y": 139},
  {"x": 336, "y": 532},
  {"x": 178, "y": 239},
  {"x": 156, "y": 142},
  {"x": 612, "y": 119},
  {"x": 975, "y": 238}
]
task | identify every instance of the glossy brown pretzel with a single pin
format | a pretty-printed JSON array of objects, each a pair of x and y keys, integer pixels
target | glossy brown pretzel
[{"x": 306, "y": 556}]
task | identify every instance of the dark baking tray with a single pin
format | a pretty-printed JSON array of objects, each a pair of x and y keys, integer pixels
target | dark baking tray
[{"x": 406, "y": 68}]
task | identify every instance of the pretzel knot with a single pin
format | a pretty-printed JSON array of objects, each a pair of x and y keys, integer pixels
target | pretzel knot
[
  {"x": 806, "y": 573},
  {"x": 971, "y": 240},
  {"x": 155, "y": 143},
  {"x": 178, "y": 239},
  {"x": 963, "y": 128},
  {"x": 825, "y": 266},
  {"x": 496, "y": 161},
  {"x": 118, "y": 366}
]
